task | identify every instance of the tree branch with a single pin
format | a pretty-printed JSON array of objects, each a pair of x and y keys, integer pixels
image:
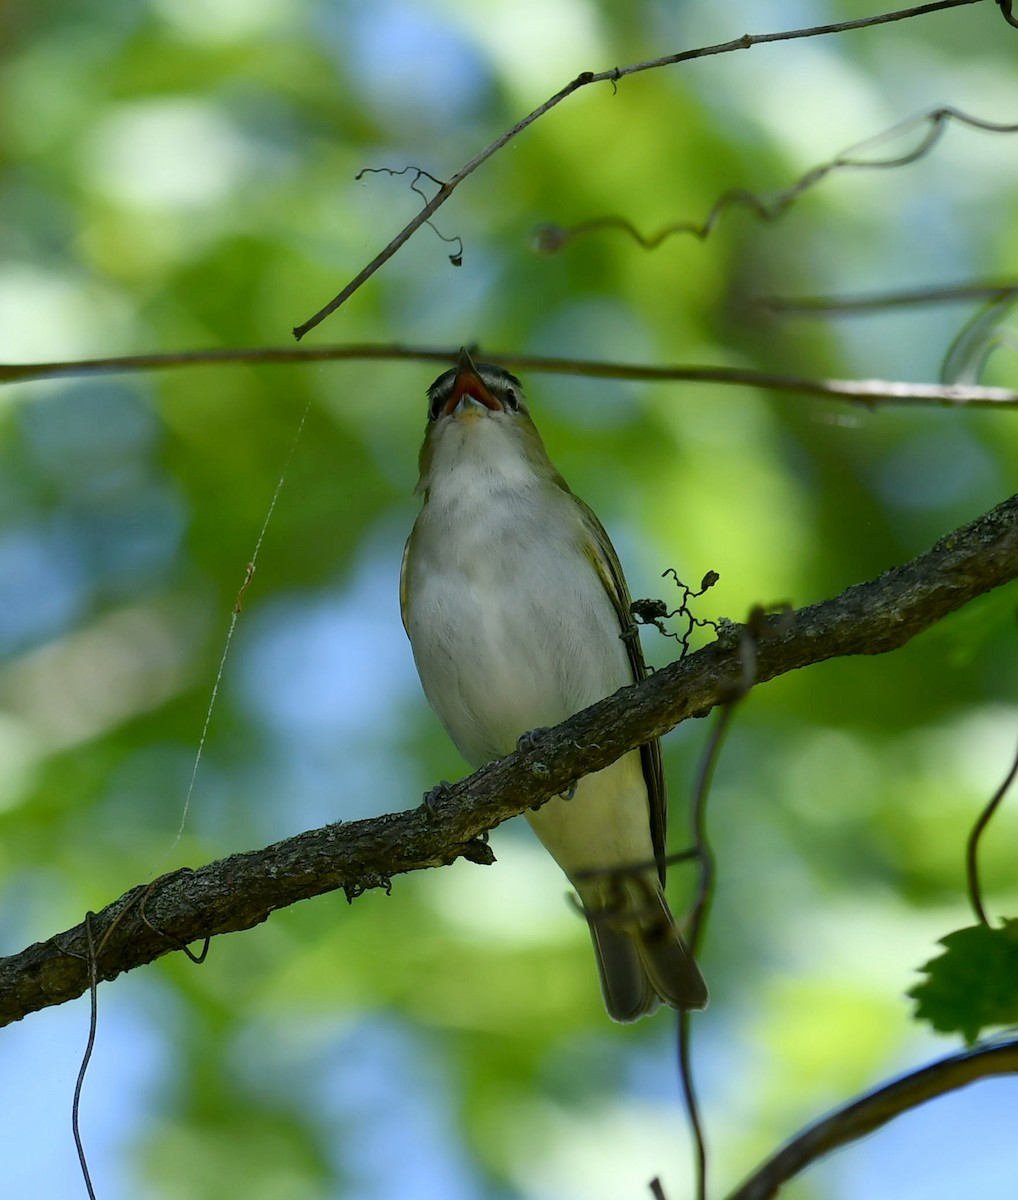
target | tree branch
[
  {"x": 875, "y": 1109},
  {"x": 866, "y": 392},
  {"x": 241, "y": 891}
]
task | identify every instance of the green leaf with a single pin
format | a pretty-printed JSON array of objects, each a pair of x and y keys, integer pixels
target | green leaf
[{"x": 974, "y": 984}]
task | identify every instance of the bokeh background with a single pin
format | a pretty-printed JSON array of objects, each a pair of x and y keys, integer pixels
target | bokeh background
[{"x": 180, "y": 174}]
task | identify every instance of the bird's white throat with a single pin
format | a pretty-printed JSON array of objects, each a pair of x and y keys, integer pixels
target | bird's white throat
[{"x": 476, "y": 455}]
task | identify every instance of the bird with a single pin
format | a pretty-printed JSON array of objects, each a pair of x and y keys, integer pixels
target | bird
[{"x": 518, "y": 616}]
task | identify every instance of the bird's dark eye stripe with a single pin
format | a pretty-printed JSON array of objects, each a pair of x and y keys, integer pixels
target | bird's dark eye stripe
[{"x": 437, "y": 396}]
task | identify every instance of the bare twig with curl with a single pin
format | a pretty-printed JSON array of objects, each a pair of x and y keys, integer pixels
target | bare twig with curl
[
  {"x": 549, "y": 239},
  {"x": 972, "y": 846},
  {"x": 456, "y": 257},
  {"x": 746, "y": 42}
]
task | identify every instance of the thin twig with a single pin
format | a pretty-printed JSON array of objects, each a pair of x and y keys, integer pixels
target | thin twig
[
  {"x": 549, "y": 239},
  {"x": 202, "y": 954},
  {"x": 692, "y": 1106},
  {"x": 705, "y": 886},
  {"x": 705, "y": 855},
  {"x": 972, "y": 846},
  {"x": 697, "y": 926},
  {"x": 868, "y": 392},
  {"x": 265, "y": 355},
  {"x": 970, "y": 349},
  {"x": 93, "y": 1022},
  {"x": 746, "y": 42},
  {"x": 862, "y": 305},
  {"x": 870, "y": 1112}
]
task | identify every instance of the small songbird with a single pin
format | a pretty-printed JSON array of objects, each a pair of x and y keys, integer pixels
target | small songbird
[{"x": 518, "y": 615}]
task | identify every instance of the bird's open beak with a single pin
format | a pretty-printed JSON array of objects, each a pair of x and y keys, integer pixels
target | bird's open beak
[{"x": 469, "y": 383}]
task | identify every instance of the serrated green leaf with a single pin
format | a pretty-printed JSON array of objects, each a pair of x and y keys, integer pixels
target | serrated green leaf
[{"x": 974, "y": 984}]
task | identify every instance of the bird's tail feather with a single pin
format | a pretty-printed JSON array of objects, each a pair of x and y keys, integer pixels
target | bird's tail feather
[{"x": 641, "y": 957}]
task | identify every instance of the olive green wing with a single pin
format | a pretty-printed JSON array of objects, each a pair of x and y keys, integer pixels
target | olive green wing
[
  {"x": 404, "y": 583},
  {"x": 606, "y": 562}
]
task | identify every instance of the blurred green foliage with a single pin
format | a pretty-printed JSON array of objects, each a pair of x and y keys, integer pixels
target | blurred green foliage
[{"x": 180, "y": 174}]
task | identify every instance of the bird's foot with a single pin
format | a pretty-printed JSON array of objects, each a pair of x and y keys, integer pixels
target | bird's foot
[
  {"x": 432, "y": 797},
  {"x": 525, "y": 742},
  {"x": 569, "y": 793}
]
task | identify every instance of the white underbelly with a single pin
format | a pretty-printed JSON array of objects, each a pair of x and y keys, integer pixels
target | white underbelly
[
  {"x": 512, "y": 629},
  {"x": 607, "y": 822},
  {"x": 524, "y": 641}
]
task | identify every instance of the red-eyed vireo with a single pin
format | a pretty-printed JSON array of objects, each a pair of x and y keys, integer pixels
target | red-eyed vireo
[{"x": 516, "y": 606}]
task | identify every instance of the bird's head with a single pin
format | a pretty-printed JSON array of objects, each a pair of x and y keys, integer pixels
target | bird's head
[{"x": 478, "y": 415}]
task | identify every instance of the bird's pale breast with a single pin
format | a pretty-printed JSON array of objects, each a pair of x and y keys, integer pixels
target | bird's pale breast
[{"x": 510, "y": 624}]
